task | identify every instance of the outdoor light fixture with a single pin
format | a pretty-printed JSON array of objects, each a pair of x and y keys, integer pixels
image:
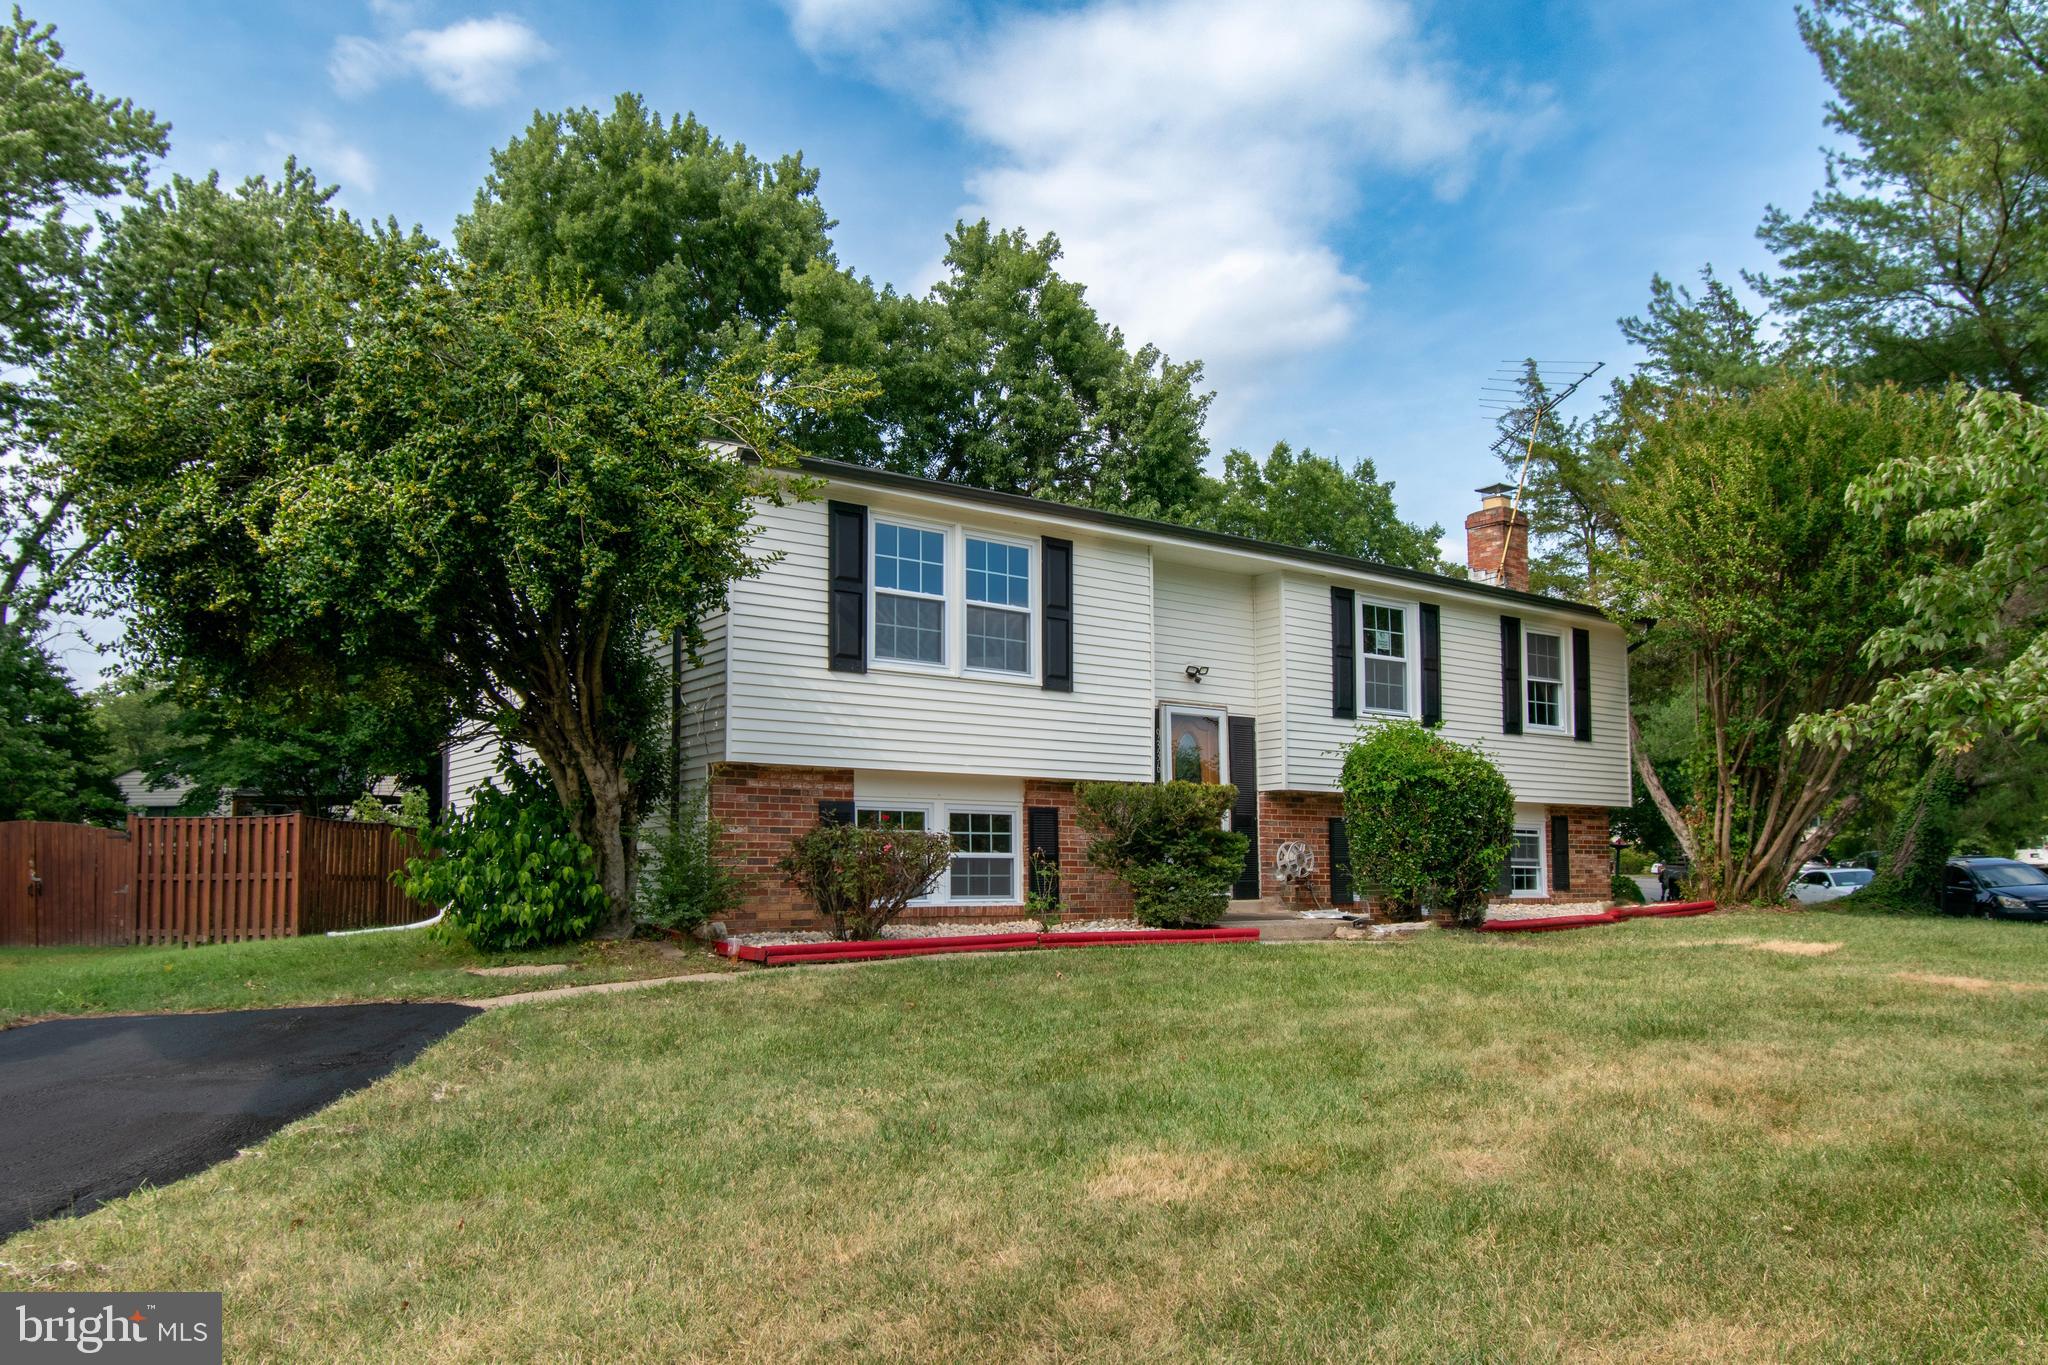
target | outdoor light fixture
[{"x": 1197, "y": 672}]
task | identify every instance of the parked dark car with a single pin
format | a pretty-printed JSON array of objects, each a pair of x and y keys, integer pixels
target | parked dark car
[{"x": 1999, "y": 887}]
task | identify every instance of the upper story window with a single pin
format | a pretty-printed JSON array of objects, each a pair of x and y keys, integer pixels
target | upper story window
[
  {"x": 910, "y": 594},
  {"x": 998, "y": 606},
  {"x": 935, "y": 584},
  {"x": 1543, "y": 671},
  {"x": 1383, "y": 659}
]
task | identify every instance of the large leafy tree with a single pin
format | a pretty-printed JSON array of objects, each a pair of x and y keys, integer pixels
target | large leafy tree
[
  {"x": 411, "y": 475},
  {"x": 1310, "y": 500},
  {"x": 1925, "y": 259},
  {"x": 1763, "y": 585},
  {"x": 64, "y": 146},
  {"x": 695, "y": 238}
]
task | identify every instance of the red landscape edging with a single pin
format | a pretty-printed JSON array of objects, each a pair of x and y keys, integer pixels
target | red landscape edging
[
  {"x": 868, "y": 950},
  {"x": 1667, "y": 910}
]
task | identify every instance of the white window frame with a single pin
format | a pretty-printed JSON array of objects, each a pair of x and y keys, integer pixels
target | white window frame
[
  {"x": 1563, "y": 681},
  {"x": 944, "y": 597},
  {"x": 1411, "y": 617},
  {"x": 1015, "y": 855},
  {"x": 1167, "y": 711},
  {"x": 938, "y": 819},
  {"x": 1537, "y": 827},
  {"x": 953, "y": 613},
  {"x": 1029, "y": 611}
]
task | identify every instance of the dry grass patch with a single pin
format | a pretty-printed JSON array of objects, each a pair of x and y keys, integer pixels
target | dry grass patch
[
  {"x": 1160, "y": 1178},
  {"x": 1967, "y": 983},
  {"x": 1796, "y": 947}
]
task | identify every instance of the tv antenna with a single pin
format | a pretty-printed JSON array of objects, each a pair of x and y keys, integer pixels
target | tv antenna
[{"x": 1520, "y": 415}]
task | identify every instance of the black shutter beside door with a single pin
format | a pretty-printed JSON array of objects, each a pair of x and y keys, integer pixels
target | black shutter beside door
[
  {"x": 1560, "y": 853},
  {"x": 1340, "y": 864},
  {"x": 1343, "y": 654},
  {"x": 1582, "y": 685},
  {"x": 1511, "y": 675},
  {"x": 1057, "y": 584},
  {"x": 1432, "y": 664},
  {"x": 1244, "y": 814},
  {"x": 846, "y": 566}
]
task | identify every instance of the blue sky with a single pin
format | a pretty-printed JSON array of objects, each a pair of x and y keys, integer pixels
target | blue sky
[{"x": 1353, "y": 211}]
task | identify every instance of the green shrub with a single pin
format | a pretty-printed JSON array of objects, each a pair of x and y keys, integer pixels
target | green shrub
[
  {"x": 1635, "y": 861},
  {"x": 1622, "y": 890},
  {"x": 509, "y": 870},
  {"x": 1430, "y": 821},
  {"x": 1166, "y": 841},
  {"x": 683, "y": 883},
  {"x": 1042, "y": 901},
  {"x": 862, "y": 878}
]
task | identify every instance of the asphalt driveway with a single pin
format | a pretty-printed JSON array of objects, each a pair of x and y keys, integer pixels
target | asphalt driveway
[{"x": 90, "y": 1109}]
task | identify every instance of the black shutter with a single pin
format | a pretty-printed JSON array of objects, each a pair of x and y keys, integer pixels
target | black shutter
[
  {"x": 1343, "y": 654},
  {"x": 835, "y": 812},
  {"x": 1340, "y": 864},
  {"x": 846, "y": 564},
  {"x": 1244, "y": 815},
  {"x": 1057, "y": 588},
  {"x": 1560, "y": 853},
  {"x": 1042, "y": 838},
  {"x": 1511, "y": 675},
  {"x": 1432, "y": 664},
  {"x": 1158, "y": 772},
  {"x": 1582, "y": 685}
]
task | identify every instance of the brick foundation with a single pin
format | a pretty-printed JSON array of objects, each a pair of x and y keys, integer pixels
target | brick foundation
[
  {"x": 761, "y": 811},
  {"x": 1303, "y": 816}
]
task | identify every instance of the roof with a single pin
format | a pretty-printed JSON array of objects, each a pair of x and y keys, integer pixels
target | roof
[{"x": 1147, "y": 526}]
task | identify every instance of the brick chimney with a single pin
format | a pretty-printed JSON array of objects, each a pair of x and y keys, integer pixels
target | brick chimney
[{"x": 1494, "y": 525}]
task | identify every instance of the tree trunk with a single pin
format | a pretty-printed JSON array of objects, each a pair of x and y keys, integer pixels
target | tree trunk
[{"x": 1656, "y": 789}]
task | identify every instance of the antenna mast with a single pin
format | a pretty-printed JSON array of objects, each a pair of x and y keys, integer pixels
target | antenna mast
[{"x": 1520, "y": 418}]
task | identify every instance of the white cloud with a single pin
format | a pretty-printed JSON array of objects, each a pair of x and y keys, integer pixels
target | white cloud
[
  {"x": 328, "y": 154},
  {"x": 1196, "y": 157},
  {"x": 474, "y": 62}
]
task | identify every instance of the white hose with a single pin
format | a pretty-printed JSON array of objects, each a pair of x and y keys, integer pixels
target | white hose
[{"x": 389, "y": 928}]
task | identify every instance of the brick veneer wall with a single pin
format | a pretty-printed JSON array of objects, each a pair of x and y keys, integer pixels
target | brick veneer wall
[
  {"x": 1304, "y": 816},
  {"x": 761, "y": 810},
  {"x": 1592, "y": 857},
  {"x": 1089, "y": 894}
]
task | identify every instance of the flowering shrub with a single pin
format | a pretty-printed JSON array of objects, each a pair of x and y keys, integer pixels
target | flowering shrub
[{"x": 862, "y": 878}]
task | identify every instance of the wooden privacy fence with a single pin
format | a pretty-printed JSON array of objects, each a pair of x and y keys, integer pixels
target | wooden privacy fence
[{"x": 212, "y": 879}]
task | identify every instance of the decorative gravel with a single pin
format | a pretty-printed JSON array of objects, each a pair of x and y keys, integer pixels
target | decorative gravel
[
  {"x": 1008, "y": 926},
  {"x": 1547, "y": 911}
]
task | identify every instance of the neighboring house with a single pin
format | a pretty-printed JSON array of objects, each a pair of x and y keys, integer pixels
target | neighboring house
[{"x": 957, "y": 659}]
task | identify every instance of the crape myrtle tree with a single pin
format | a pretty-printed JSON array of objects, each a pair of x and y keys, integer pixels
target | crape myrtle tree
[
  {"x": 471, "y": 484},
  {"x": 1763, "y": 585}
]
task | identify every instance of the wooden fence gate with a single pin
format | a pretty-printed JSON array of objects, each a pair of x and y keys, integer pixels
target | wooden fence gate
[
  {"x": 212, "y": 879},
  {"x": 64, "y": 884}
]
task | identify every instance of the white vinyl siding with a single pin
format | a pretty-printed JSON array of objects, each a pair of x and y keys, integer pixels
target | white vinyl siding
[
  {"x": 1203, "y": 618},
  {"x": 1543, "y": 767},
  {"x": 1270, "y": 671},
  {"x": 704, "y": 704},
  {"x": 784, "y": 705}
]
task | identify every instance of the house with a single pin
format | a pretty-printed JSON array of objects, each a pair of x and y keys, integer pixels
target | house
[{"x": 956, "y": 659}]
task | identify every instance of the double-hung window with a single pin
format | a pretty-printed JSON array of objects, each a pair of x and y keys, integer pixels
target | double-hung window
[
  {"x": 910, "y": 594},
  {"x": 1383, "y": 659},
  {"x": 1525, "y": 862},
  {"x": 998, "y": 606},
  {"x": 984, "y": 855},
  {"x": 1544, "y": 673},
  {"x": 878, "y": 817}
]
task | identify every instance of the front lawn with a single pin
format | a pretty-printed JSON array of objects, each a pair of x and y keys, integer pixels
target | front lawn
[
  {"x": 1664, "y": 1140},
  {"x": 406, "y": 964}
]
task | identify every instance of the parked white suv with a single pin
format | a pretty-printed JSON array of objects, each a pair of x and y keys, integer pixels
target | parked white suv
[{"x": 1816, "y": 884}]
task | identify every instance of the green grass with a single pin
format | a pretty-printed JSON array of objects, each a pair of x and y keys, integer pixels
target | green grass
[
  {"x": 38, "y": 983},
  {"x": 1653, "y": 1141}
]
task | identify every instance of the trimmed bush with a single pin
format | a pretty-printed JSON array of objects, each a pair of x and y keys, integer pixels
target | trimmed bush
[
  {"x": 1166, "y": 841},
  {"x": 682, "y": 882},
  {"x": 1623, "y": 890},
  {"x": 862, "y": 878},
  {"x": 509, "y": 870},
  {"x": 1431, "y": 822}
]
